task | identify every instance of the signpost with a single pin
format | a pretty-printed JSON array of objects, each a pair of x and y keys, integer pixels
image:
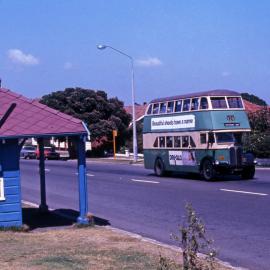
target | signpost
[{"x": 114, "y": 143}]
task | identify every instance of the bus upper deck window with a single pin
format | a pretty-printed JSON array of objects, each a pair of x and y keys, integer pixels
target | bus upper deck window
[
  {"x": 177, "y": 141},
  {"x": 194, "y": 104},
  {"x": 235, "y": 102},
  {"x": 169, "y": 141},
  {"x": 185, "y": 141},
  {"x": 155, "y": 108},
  {"x": 149, "y": 111},
  {"x": 186, "y": 105},
  {"x": 204, "y": 103},
  {"x": 162, "y": 142},
  {"x": 178, "y": 106},
  {"x": 170, "y": 106},
  {"x": 163, "y": 107},
  {"x": 218, "y": 102}
]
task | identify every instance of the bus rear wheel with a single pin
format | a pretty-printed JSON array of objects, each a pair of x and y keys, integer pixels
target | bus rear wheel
[
  {"x": 208, "y": 171},
  {"x": 159, "y": 167},
  {"x": 248, "y": 172}
]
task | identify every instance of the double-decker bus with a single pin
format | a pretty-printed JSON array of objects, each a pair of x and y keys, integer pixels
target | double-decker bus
[{"x": 199, "y": 133}]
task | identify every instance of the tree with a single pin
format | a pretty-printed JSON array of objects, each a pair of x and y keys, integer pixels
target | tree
[
  {"x": 100, "y": 113},
  {"x": 253, "y": 99}
]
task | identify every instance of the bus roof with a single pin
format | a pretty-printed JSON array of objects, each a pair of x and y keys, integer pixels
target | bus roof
[{"x": 218, "y": 92}]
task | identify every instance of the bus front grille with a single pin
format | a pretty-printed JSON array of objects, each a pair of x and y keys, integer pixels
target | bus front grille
[{"x": 236, "y": 156}]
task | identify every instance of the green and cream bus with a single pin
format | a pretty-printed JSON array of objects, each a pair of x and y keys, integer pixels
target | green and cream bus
[{"x": 199, "y": 132}]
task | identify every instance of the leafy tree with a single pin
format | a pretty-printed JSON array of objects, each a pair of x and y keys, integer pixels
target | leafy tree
[
  {"x": 258, "y": 141},
  {"x": 253, "y": 99},
  {"x": 100, "y": 113}
]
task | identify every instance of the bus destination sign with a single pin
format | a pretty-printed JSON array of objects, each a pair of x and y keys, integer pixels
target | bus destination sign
[{"x": 173, "y": 122}]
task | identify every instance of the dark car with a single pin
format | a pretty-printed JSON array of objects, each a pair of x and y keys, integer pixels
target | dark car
[
  {"x": 49, "y": 153},
  {"x": 29, "y": 152}
]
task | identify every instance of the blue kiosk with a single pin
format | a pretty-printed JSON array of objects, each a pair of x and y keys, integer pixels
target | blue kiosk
[{"x": 22, "y": 118}]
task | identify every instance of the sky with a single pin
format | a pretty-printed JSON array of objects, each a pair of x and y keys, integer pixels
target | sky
[{"x": 178, "y": 46}]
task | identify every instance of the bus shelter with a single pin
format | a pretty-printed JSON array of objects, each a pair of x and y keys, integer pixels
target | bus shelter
[{"x": 22, "y": 118}]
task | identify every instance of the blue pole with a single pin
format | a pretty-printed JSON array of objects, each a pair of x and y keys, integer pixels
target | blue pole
[
  {"x": 43, "y": 207},
  {"x": 82, "y": 179}
]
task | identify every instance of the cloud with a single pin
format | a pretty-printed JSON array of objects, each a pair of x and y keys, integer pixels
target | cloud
[
  {"x": 149, "y": 62},
  {"x": 225, "y": 73},
  {"x": 17, "y": 56},
  {"x": 68, "y": 65}
]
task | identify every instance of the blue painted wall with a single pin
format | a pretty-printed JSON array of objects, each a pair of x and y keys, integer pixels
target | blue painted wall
[{"x": 10, "y": 208}]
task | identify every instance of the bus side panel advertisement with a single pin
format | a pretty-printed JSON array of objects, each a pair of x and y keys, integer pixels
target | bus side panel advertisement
[
  {"x": 182, "y": 158},
  {"x": 173, "y": 122}
]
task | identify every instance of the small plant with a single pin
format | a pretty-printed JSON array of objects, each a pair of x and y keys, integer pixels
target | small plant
[
  {"x": 193, "y": 241},
  {"x": 23, "y": 228}
]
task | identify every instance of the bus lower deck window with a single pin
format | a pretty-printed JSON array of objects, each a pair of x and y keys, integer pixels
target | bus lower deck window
[
  {"x": 156, "y": 143},
  {"x": 218, "y": 102},
  {"x": 161, "y": 142},
  {"x": 186, "y": 105},
  {"x": 185, "y": 141},
  {"x": 178, "y": 106},
  {"x": 177, "y": 141},
  {"x": 203, "y": 138},
  {"x": 170, "y": 107},
  {"x": 192, "y": 143},
  {"x": 169, "y": 141}
]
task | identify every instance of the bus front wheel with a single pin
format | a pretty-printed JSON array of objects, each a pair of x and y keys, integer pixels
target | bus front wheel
[
  {"x": 159, "y": 167},
  {"x": 208, "y": 170},
  {"x": 248, "y": 172}
]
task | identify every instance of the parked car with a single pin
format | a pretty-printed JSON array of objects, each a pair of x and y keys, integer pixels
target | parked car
[
  {"x": 63, "y": 153},
  {"x": 29, "y": 152},
  {"x": 49, "y": 153}
]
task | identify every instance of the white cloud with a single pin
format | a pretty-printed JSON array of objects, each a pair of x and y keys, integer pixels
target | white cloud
[
  {"x": 68, "y": 65},
  {"x": 225, "y": 74},
  {"x": 149, "y": 62},
  {"x": 17, "y": 56}
]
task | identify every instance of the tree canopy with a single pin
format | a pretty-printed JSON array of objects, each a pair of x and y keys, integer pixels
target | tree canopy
[
  {"x": 253, "y": 99},
  {"x": 100, "y": 113}
]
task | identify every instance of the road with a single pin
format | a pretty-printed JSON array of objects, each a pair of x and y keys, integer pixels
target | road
[{"x": 236, "y": 212}]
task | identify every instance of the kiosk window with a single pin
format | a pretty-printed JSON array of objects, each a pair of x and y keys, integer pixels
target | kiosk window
[{"x": 2, "y": 194}]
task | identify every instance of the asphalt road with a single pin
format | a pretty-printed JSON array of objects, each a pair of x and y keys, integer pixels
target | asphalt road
[{"x": 236, "y": 212}]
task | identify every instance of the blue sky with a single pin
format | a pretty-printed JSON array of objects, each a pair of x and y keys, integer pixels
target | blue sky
[{"x": 179, "y": 46}]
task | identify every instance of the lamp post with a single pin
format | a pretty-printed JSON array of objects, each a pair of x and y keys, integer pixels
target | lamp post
[{"x": 135, "y": 146}]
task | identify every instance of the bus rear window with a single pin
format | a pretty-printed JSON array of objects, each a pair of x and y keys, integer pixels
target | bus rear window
[
  {"x": 218, "y": 102},
  {"x": 235, "y": 102},
  {"x": 224, "y": 137}
]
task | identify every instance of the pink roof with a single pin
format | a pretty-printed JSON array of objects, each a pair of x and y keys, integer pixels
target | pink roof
[
  {"x": 139, "y": 110},
  {"x": 33, "y": 119}
]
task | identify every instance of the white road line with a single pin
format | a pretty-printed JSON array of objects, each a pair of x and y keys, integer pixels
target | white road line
[
  {"x": 88, "y": 174},
  {"x": 145, "y": 181},
  {"x": 244, "y": 192},
  {"x": 47, "y": 170}
]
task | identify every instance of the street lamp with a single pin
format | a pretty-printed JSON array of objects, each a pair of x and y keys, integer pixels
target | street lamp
[{"x": 135, "y": 147}]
